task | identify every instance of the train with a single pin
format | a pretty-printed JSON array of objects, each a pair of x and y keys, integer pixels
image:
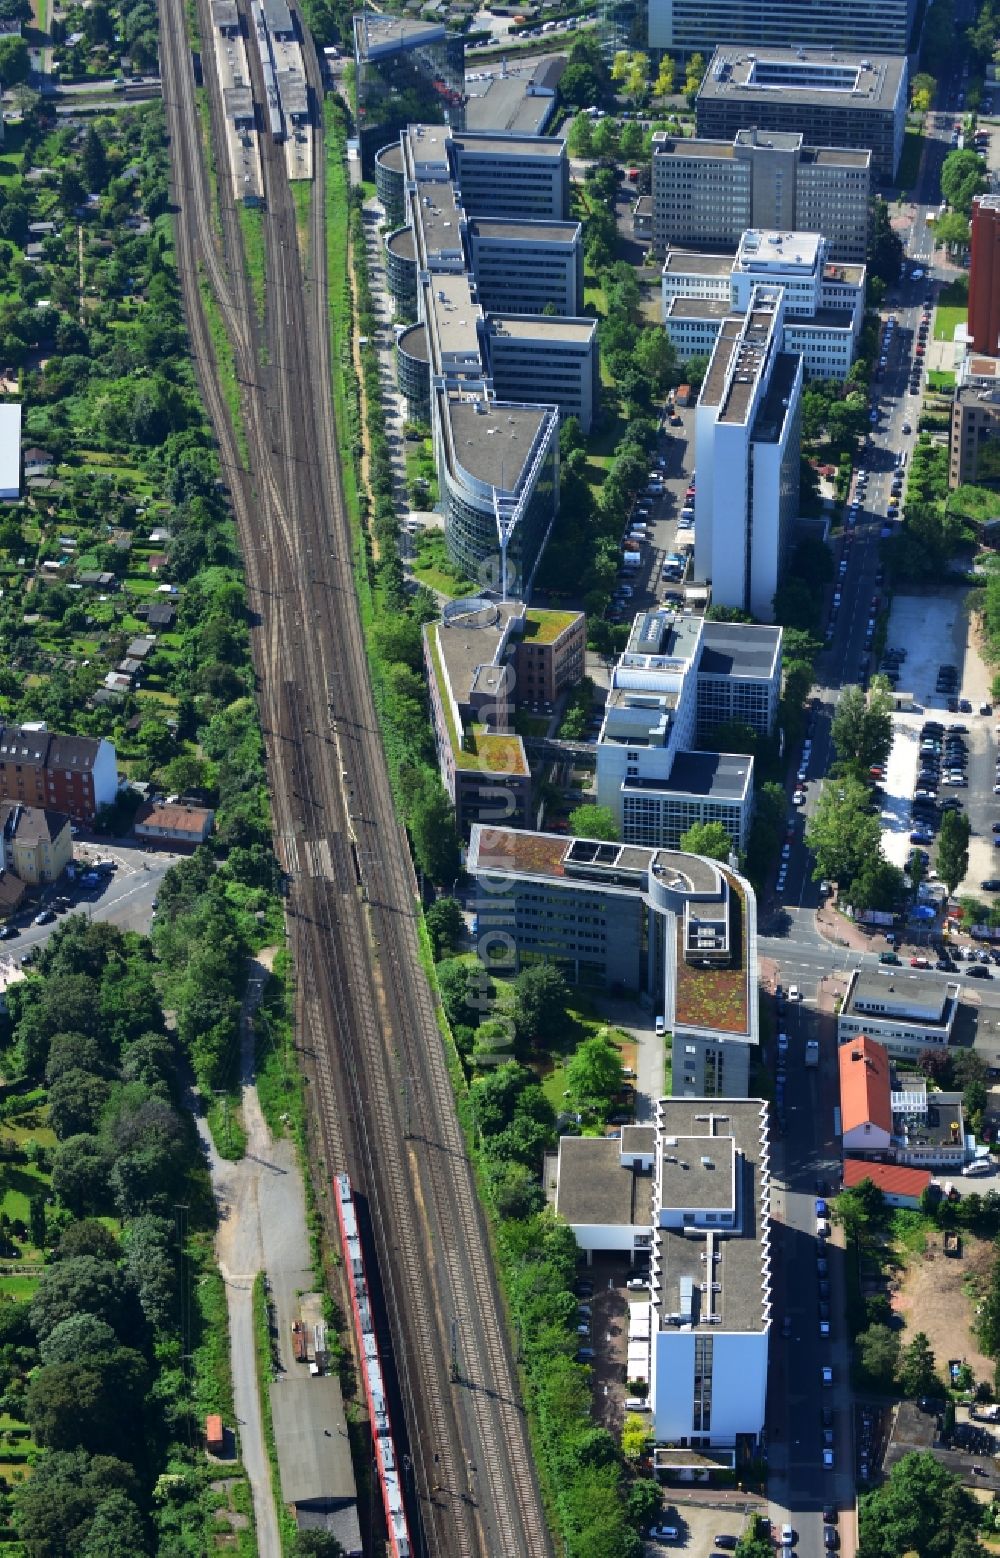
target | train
[{"x": 386, "y": 1460}]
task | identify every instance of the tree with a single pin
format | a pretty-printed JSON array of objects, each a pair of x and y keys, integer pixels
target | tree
[
  {"x": 952, "y": 230},
  {"x": 842, "y": 833},
  {"x": 495, "y": 1096},
  {"x": 82, "y": 1283},
  {"x": 593, "y": 822},
  {"x": 663, "y": 86},
  {"x": 862, "y": 725},
  {"x": 963, "y": 176},
  {"x": 917, "y": 1375},
  {"x": 15, "y": 61},
  {"x": 580, "y": 140},
  {"x": 80, "y": 1175},
  {"x": 541, "y": 999},
  {"x": 80, "y": 1337},
  {"x": 707, "y": 838},
  {"x": 953, "y": 848},
  {"x": 975, "y": 1101},
  {"x": 467, "y": 991},
  {"x": 644, "y": 1501},
  {"x": 76, "y": 1101},
  {"x": 637, "y": 1439},
  {"x": 315, "y": 1544},
  {"x": 435, "y": 838},
  {"x": 445, "y": 925},
  {"x": 117, "y": 1529},
  {"x": 55, "y": 1507},
  {"x": 860, "y": 1208},
  {"x": 878, "y": 1350},
  {"x": 920, "y": 1508},
  {"x": 922, "y": 90},
  {"x": 878, "y": 885},
  {"x": 94, "y": 161},
  {"x": 88, "y": 1236},
  {"x": 694, "y": 71},
  {"x": 594, "y": 1073}
]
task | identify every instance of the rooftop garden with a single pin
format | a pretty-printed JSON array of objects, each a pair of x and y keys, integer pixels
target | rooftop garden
[
  {"x": 544, "y": 627},
  {"x": 715, "y": 997},
  {"x": 477, "y": 747}
]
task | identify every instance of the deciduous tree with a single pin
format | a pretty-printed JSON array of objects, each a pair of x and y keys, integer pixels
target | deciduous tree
[{"x": 707, "y": 838}]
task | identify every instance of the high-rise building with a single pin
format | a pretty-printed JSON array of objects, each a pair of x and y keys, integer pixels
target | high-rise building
[
  {"x": 984, "y": 276},
  {"x": 747, "y": 438},
  {"x": 882, "y": 26},
  {"x": 707, "y": 193},
  {"x": 975, "y": 436},
  {"x": 828, "y": 97}
]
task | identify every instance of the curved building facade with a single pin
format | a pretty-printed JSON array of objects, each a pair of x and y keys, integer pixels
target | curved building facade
[
  {"x": 390, "y": 186},
  {"x": 413, "y": 372},
  {"x": 401, "y": 271}
]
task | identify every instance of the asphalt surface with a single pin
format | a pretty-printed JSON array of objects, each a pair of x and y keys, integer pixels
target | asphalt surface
[
  {"x": 384, "y": 1107},
  {"x": 124, "y": 897},
  {"x": 807, "y": 1154}
]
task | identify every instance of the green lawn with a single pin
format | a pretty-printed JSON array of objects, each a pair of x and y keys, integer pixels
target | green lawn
[
  {"x": 946, "y": 321},
  {"x": 18, "y": 1287},
  {"x": 939, "y": 379}
]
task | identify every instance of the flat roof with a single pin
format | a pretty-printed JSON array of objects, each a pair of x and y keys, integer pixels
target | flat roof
[
  {"x": 414, "y": 343},
  {"x": 723, "y": 353},
  {"x": 521, "y": 100},
  {"x": 401, "y": 243},
  {"x": 468, "y": 642},
  {"x": 507, "y": 230},
  {"x": 753, "y": 350},
  {"x": 314, "y": 1455},
  {"x": 436, "y": 219},
  {"x": 732, "y": 1134},
  {"x": 225, "y": 14},
  {"x": 677, "y": 146},
  {"x": 697, "y": 308},
  {"x": 451, "y": 314},
  {"x": 616, "y": 867},
  {"x": 774, "y": 409},
  {"x": 294, "y": 92},
  {"x": 895, "y": 991},
  {"x": 692, "y": 262},
  {"x": 593, "y": 1186},
  {"x": 831, "y": 78},
  {"x": 498, "y": 460},
  {"x": 739, "y": 649},
  {"x": 838, "y": 156},
  {"x": 391, "y": 157},
  {"x": 770, "y": 140},
  {"x": 768, "y": 247},
  {"x": 377, "y": 34},
  {"x": 549, "y": 328},
  {"x": 496, "y": 143}
]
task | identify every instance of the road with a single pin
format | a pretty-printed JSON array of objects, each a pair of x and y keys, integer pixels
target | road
[
  {"x": 807, "y": 1154},
  {"x": 367, "y": 1030}
]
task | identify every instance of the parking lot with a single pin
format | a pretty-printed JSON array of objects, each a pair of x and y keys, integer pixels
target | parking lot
[
  {"x": 658, "y": 532},
  {"x": 123, "y": 896}
]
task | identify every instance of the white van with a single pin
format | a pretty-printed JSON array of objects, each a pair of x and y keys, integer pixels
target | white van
[
  {"x": 661, "y": 1027},
  {"x": 636, "y": 1404}
]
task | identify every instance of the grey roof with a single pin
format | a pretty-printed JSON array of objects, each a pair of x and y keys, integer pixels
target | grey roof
[
  {"x": 775, "y": 407},
  {"x": 500, "y": 460},
  {"x": 466, "y": 646},
  {"x": 225, "y": 15},
  {"x": 315, "y": 1465},
  {"x": 711, "y": 1128},
  {"x": 547, "y": 329},
  {"x": 720, "y": 775},
  {"x": 693, "y": 262},
  {"x": 739, "y": 649},
  {"x": 391, "y": 157},
  {"x": 593, "y": 1187},
  {"x": 414, "y": 343},
  {"x": 507, "y": 230},
  {"x": 832, "y": 78},
  {"x": 521, "y": 101},
  {"x": 294, "y": 93},
  {"x": 401, "y": 243},
  {"x": 698, "y": 308},
  {"x": 893, "y": 990},
  {"x": 32, "y": 824},
  {"x": 377, "y": 34},
  {"x": 510, "y": 144}
]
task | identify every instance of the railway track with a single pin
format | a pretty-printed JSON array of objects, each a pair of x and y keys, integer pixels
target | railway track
[{"x": 383, "y": 1103}]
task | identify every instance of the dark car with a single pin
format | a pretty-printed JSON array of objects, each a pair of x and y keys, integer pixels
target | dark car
[
  {"x": 991, "y": 884},
  {"x": 978, "y": 971},
  {"x": 730, "y": 1543},
  {"x": 7, "y": 932},
  {"x": 945, "y": 966},
  {"x": 831, "y": 1540},
  {"x": 830, "y": 1515}
]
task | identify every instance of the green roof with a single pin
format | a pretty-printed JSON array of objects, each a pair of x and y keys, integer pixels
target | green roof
[
  {"x": 478, "y": 747},
  {"x": 546, "y": 626}
]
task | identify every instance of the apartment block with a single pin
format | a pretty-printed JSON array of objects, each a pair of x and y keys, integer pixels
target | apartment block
[
  {"x": 677, "y": 680},
  {"x": 678, "y": 928},
  {"x": 482, "y": 659},
  {"x": 831, "y": 97},
  {"x": 904, "y": 1012},
  {"x": 975, "y": 436},
  {"x": 984, "y": 276},
  {"x": 705, "y": 194},
  {"x": 73, "y": 774},
  {"x": 865, "y": 25},
  {"x": 747, "y": 439},
  {"x": 37, "y": 842}
]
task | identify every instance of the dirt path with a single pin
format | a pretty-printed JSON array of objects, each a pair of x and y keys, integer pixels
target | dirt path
[{"x": 933, "y": 1299}]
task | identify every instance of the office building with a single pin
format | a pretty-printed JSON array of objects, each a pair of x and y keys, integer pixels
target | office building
[
  {"x": 747, "y": 426},
  {"x": 692, "y": 1193},
  {"x": 482, "y": 659},
  {"x": 687, "y": 26},
  {"x": 823, "y": 302},
  {"x": 975, "y": 436},
  {"x": 829, "y": 97},
  {"x": 494, "y": 425},
  {"x": 984, "y": 276},
  {"x": 398, "y": 59},
  {"x": 519, "y": 97},
  {"x": 705, "y": 194},
  {"x": 904, "y": 1012},
  {"x": 678, "y": 679},
  {"x": 527, "y": 267},
  {"x": 678, "y": 928},
  {"x": 538, "y": 357},
  {"x": 73, "y": 774}
]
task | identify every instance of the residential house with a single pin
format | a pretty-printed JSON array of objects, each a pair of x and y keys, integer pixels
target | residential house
[
  {"x": 175, "y": 824},
  {"x": 865, "y": 1096}
]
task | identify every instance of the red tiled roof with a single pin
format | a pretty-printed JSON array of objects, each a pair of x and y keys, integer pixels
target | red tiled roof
[
  {"x": 865, "y": 1094},
  {"x": 891, "y": 1178}
]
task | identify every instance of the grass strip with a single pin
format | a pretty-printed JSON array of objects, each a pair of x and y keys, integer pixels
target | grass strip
[
  {"x": 252, "y": 229},
  {"x": 265, "y": 1373},
  {"x": 225, "y": 362}
]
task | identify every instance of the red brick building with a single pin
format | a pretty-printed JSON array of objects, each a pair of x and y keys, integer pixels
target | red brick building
[
  {"x": 984, "y": 276},
  {"x": 73, "y": 774}
]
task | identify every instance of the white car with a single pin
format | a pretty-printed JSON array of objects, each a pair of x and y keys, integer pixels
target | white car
[
  {"x": 827, "y": 1460},
  {"x": 786, "y": 850},
  {"x": 827, "y": 1376},
  {"x": 801, "y": 776},
  {"x": 799, "y": 798},
  {"x": 788, "y": 1535},
  {"x": 782, "y": 1043},
  {"x": 824, "y": 1328}
]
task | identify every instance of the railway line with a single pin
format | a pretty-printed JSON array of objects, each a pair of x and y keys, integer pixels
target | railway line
[{"x": 382, "y": 1097}]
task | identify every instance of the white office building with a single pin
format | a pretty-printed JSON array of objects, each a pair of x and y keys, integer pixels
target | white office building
[
  {"x": 678, "y": 679},
  {"x": 693, "y": 1192},
  {"x": 10, "y": 450},
  {"x": 905, "y": 1012},
  {"x": 747, "y": 427},
  {"x": 823, "y": 302}
]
